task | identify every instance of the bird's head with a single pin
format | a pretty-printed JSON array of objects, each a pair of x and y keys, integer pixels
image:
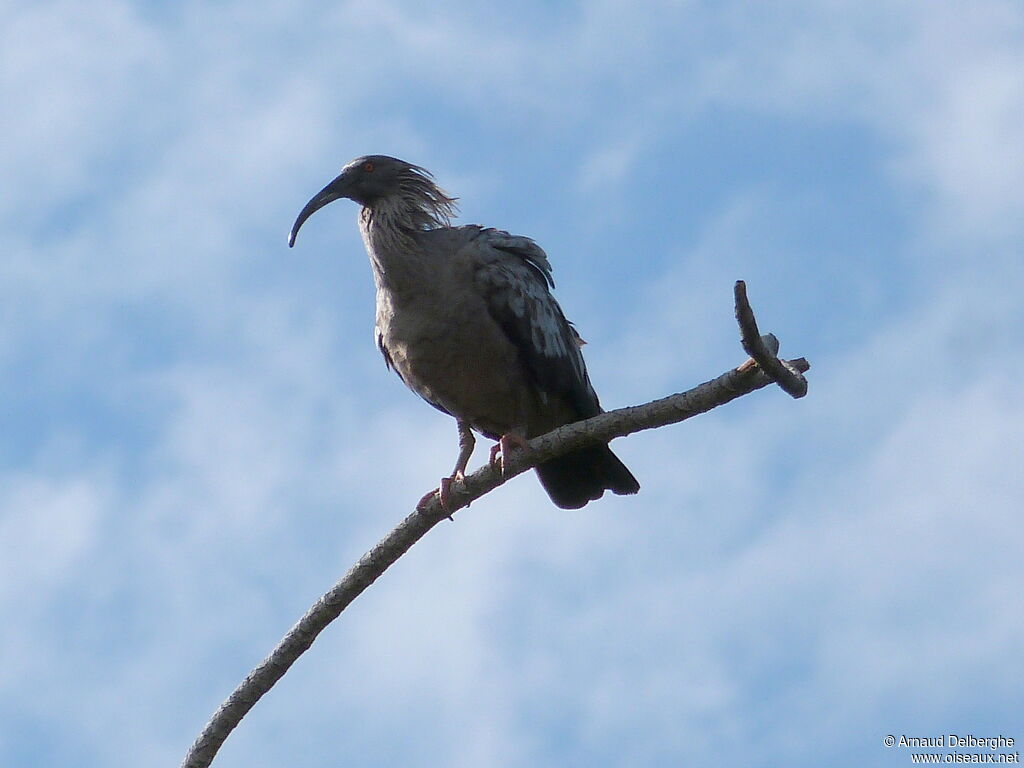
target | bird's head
[{"x": 371, "y": 179}]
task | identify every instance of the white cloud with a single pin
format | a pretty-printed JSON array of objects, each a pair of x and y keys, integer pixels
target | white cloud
[
  {"x": 67, "y": 91},
  {"x": 939, "y": 89},
  {"x": 45, "y": 530},
  {"x": 943, "y": 87}
]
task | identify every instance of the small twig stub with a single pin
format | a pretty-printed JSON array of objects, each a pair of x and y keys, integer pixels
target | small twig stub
[{"x": 763, "y": 350}]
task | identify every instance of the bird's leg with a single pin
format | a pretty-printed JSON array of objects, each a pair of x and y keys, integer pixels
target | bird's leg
[
  {"x": 509, "y": 441},
  {"x": 466, "y": 445}
]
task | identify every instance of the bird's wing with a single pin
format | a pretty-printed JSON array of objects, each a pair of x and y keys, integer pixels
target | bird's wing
[{"x": 514, "y": 278}]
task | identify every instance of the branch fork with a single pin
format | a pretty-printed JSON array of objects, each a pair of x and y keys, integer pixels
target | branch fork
[{"x": 764, "y": 350}]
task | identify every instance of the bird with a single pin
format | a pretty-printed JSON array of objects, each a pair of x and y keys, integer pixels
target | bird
[{"x": 466, "y": 318}]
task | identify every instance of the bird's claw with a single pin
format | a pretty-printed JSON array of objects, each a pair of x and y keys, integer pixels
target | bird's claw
[
  {"x": 505, "y": 446},
  {"x": 422, "y": 503},
  {"x": 443, "y": 493}
]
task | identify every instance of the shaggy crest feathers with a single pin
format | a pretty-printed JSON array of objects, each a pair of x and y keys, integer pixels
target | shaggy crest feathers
[{"x": 418, "y": 203}]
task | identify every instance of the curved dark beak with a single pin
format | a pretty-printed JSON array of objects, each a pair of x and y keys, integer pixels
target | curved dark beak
[{"x": 333, "y": 191}]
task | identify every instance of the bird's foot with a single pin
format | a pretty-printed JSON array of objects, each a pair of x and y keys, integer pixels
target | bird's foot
[
  {"x": 504, "y": 447},
  {"x": 443, "y": 493}
]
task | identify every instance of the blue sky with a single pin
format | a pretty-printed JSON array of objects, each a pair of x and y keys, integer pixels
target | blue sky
[{"x": 199, "y": 436}]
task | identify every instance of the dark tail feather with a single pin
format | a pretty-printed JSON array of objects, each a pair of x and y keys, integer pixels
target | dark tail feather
[{"x": 584, "y": 475}]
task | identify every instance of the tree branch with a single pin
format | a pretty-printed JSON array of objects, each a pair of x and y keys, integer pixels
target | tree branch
[
  {"x": 761, "y": 370},
  {"x": 763, "y": 349}
]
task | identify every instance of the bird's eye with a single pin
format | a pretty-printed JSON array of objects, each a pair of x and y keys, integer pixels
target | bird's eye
[{"x": 368, "y": 167}]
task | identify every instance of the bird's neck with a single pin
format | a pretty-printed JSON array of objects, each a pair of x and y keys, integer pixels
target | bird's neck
[{"x": 396, "y": 258}]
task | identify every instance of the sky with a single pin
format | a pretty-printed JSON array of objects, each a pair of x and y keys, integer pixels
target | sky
[{"x": 198, "y": 435}]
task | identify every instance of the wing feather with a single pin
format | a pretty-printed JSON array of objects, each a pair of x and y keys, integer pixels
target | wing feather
[{"x": 514, "y": 277}]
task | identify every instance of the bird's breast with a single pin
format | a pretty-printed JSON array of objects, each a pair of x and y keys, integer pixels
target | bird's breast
[{"x": 450, "y": 351}]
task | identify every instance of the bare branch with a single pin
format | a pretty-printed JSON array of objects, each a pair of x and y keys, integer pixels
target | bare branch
[
  {"x": 600, "y": 429},
  {"x": 763, "y": 349}
]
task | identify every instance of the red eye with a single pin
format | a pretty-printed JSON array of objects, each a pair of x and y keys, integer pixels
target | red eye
[{"x": 368, "y": 167}]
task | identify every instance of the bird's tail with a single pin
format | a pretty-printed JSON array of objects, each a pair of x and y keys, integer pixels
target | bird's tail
[{"x": 584, "y": 475}]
